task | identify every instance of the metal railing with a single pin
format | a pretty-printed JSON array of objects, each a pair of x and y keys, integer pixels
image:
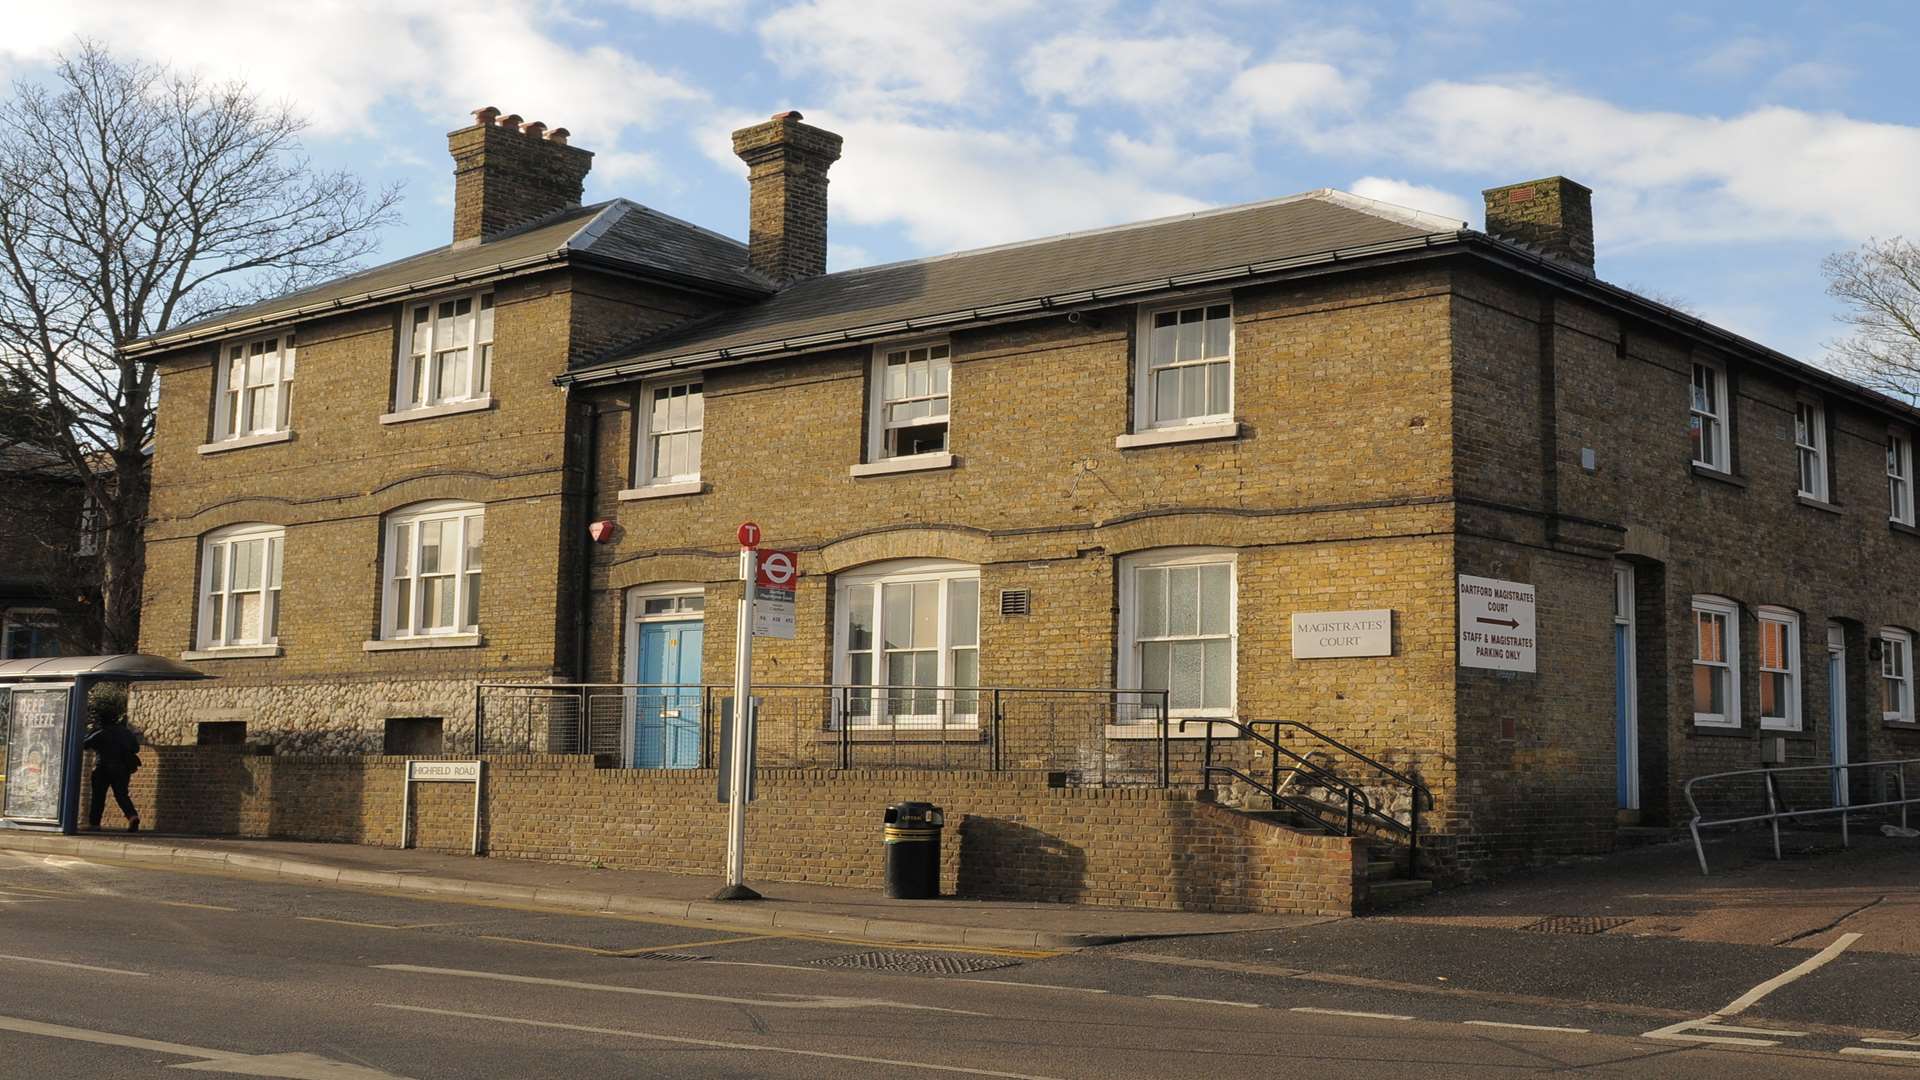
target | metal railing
[
  {"x": 1770, "y": 784},
  {"x": 1360, "y": 807},
  {"x": 838, "y": 726}
]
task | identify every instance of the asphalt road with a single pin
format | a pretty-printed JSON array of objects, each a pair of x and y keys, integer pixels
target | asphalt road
[{"x": 121, "y": 972}]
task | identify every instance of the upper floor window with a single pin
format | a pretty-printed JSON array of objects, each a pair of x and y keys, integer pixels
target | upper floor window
[
  {"x": 1810, "y": 444},
  {"x": 29, "y": 634},
  {"x": 240, "y": 586},
  {"x": 1708, "y": 422},
  {"x": 449, "y": 353},
  {"x": 1178, "y": 628},
  {"x": 1779, "y": 669},
  {"x": 910, "y": 631},
  {"x": 1899, "y": 479},
  {"x": 432, "y": 570},
  {"x": 1716, "y": 662},
  {"x": 1896, "y": 676},
  {"x": 256, "y": 388},
  {"x": 910, "y": 400},
  {"x": 1185, "y": 366},
  {"x": 672, "y": 423}
]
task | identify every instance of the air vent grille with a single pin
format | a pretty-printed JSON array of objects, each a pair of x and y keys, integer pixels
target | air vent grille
[{"x": 1015, "y": 601}]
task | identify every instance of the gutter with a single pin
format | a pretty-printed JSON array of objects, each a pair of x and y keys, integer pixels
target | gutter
[{"x": 1037, "y": 305}]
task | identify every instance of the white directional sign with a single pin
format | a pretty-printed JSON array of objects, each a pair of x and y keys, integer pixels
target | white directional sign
[
  {"x": 773, "y": 594},
  {"x": 1318, "y": 634},
  {"x": 1497, "y": 625}
]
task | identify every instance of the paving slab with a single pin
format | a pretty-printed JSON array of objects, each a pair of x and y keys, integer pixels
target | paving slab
[{"x": 814, "y": 909}]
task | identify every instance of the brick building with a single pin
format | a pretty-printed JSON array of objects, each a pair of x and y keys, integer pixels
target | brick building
[
  {"x": 1123, "y": 459},
  {"x": 49, "y": 568}
]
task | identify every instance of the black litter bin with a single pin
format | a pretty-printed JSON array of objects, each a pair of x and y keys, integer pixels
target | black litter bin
[{"x": 913, "y": 851}]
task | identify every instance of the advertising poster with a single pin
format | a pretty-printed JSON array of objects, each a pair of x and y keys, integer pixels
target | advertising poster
[{"x": 36, "y": 753}]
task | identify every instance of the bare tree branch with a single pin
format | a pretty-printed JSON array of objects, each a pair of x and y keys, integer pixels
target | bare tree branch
[
  {"x": 134, "y": 199},
  {"x": 1880, "y": 284}
]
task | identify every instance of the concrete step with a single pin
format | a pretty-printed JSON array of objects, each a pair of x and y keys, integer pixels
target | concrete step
[
  {"x": 1383, "y": 894},
  {"x": 1382, "y": 869}
]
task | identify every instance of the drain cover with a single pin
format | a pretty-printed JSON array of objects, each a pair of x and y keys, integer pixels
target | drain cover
[
  {"x": 1575, "y": 924},
  {"x": 917, "y": 963},
  {"x": 674, "y": 956}
]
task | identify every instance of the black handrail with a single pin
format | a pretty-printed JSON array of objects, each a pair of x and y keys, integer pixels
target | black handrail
[{"x": 1359, "y": 803}]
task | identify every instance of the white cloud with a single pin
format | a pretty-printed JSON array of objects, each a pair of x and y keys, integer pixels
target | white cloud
[
  {"x": 1738, "y": 56},
  {"x": 725, "y": 13},
  {"x": 1154, "y": 73},
  {"x": 842, "y": 256},
  {"x": 886, "y": 58},
  {"x": 1288, "y": 90},
  {"x": 1414, "y": 197},
  {"x": 343, "y": 64}
]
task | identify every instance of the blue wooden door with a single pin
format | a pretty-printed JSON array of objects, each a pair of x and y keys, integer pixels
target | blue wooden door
[{"x": 666, "y": 726}]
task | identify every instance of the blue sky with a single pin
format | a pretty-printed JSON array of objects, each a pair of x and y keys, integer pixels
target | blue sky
[{"x": 1730, "y": 146}]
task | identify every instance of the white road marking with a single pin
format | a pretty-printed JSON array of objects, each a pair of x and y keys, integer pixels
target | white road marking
[
  {"x": 1875, "y": 1051},
  {"x": 802, "y": 1002},
  {"x": 1528, "y": 1027},
  {"x": 1893, "y": 1042},
  {"x": 1026, "y": 986},
  {"x": 70, "y": 964},
  {"x": 1808, "y": 966},
  {"x": 1705, "y": 1028},
  {"x": 758, "y": 1048},
  {"x": 1348, "y": 1012},
  {"x": 284, "y": 1066},
  {"x": 1206, "y": 1001}
]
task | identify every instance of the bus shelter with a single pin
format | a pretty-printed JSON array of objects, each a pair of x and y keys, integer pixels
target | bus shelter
[{"x": 43, "y": 718}]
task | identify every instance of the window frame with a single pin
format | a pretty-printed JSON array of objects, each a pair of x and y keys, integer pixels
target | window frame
[
  {"x": 1890, "y": 637},
  {"x": 643, "y": 474},
  {"x": 1789, "y": 718},
  {"x": 41, "y": 622},
  {"x": 226, "y": 540},
  {"x": 1900, "y": 484},
  {"x": 1129, "y": 667},
  {"x": 411, "y": 518},
  {"x": 1718, "y": 423},
  {"x": 1730, "y": 646},
  {"x": 233, "y": 420},
  {"x": 1143, "y": 369},
  {"x": 479, "y": 369},
  {"x": 950, "y": 709},
  {"x": 877, "y": 400},
  {"x": 1810, "y": 423}
]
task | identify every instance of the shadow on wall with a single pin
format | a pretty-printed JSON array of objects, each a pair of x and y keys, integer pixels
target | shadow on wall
[
  {"x": 1002, "y": 857},
  {"x": 201, "y": 792}
]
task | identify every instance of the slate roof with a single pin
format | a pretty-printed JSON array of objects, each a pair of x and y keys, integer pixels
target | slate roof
[
  {"x": 967, "y": 285},
  {"x": 619, "y": 232}
]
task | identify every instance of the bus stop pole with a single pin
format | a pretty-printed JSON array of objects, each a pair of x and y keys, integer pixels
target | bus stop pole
[{"x": 738, "y": 762}]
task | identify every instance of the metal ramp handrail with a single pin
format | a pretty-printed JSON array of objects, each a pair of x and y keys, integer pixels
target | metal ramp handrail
[{"x": 1775, "y": 813}]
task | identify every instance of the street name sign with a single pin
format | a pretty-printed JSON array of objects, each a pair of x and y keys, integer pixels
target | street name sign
[
  {"x": 1321, "y": 634},
  {"x": 1497, "y": 625}
]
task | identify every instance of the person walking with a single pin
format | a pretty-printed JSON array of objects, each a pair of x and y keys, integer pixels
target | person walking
[{"x": 116, "y": 754}]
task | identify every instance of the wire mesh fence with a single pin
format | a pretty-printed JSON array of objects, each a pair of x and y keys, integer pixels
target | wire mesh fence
[{"x": 1087, "y": 736}]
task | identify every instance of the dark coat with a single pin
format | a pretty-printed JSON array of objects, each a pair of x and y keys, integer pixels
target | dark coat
[{"x": 115, "y": 746}]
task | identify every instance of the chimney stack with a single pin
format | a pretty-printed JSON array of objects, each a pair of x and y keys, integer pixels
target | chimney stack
[
  {"x": 1553, "y": 216},
  {"x": 787, "y": 164},
  {"x": 505, "y": 174}
]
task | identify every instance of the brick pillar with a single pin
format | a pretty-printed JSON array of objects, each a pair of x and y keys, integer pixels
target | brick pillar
[
  {"x": 787, "y": 164},
  {"x": 1553, "y": 216},
  {"x": 506, "y": 174}
]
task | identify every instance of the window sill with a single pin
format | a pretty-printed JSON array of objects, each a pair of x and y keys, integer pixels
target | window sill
[
  {"x": 1151, "y": 730},
  {"x": 662, "y": 491},
  {"x": 1226, "y": 429},
  {"x": 1903, "y": 527},
  {"x": 1900, "y": 725},
  {"x": 1823, "y": 505},
  {"x": 1706, "y": 472},
  {"x": 1720, "y": 731},
  {"x": 233, "y": 652},
  {"x": 435, "y": 641},
  {"x": 429, "y": 412},
  {"x": 916, "y": 463},
  {"x": 245, "y": 441}
]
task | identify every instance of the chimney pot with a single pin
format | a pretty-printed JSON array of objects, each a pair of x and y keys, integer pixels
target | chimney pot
[
  {"x": 787, "y": 163},
  {"x": 503, "y": 179},
  {"x": 1553, "y": 216}
]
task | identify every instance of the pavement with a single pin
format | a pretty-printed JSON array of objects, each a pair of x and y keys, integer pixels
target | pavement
[{"x": 820, "y": 909}]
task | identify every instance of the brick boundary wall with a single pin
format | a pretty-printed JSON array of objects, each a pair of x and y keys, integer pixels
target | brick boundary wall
[{"x": 1006, "y": 838}]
